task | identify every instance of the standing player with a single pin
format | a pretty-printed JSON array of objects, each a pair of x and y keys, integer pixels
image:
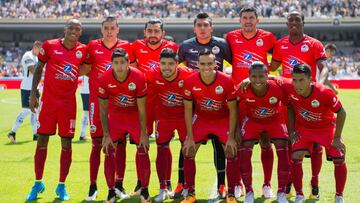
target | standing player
[
  {"x": 28, "y": 63},
  {"x": 99, "y": 60},
  {"x": 312, "y": 120},
  {"x": 215, "y": 113},
  {"x": 62, "y": 58},
  {"x": 330, "y": 50},
  {"x": 146, "y": 52},
  {"x": 167, "y": 84},
  {"x": 122, "y": 92},
  {"x": 85, "y": 94},
  {"x": 250, "y": 44},
  {"x": 299, "y": 48},
  {"x": 262, "y": 102},
  {"x": 188, "y": 54}
]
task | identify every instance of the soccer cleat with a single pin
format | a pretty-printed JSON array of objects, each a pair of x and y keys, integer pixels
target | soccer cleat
[
  {"x": 61, "y": 192},
  {"x": 92, "y": 193},
  {"x": 288, "y": 191},
  {"x": 163, "y": 195},
  {"x": 35, "y": 137},
  {"x": 339, "y": 199},
  {"x": 12, "y": 137},
  {"x": 178, "y": 191},
  {"x": 222, "y": 191},
  {"x": 190, "y": 198},
  {"x": 281, "y": 198},
  {"x": 299, "y": 199},
  {"x": 120, "y": 192},
  {"x": 231, "y": 198},
  {"x": 267, "y": 192},
  {"x": 137, "y": 189},
  {"x": 239, "y": 191},
  {"x": 168, "y": 185},
  {"x": 249, "y": 197},
  {"x": 314, "y": 192},
  {"x": 38, "y": 187},
  {"x": 152, "y": 135},
  {"x": 111, "y": 198},
  {"x": 84, "y": 138}
]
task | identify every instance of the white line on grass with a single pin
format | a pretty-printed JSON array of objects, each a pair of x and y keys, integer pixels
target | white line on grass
[{"x": 10, "y": 101}]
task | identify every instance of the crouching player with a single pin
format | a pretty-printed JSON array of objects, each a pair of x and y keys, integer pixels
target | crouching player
[{"x": 122, "y": 93}]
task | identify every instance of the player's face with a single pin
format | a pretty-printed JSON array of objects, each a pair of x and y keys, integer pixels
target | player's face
[
  {"x": 295, "y": 24},
  {"x": 120, "y": 65},
  {"x": 248, "y": 21},
  {"x": 36, "y": 50},
  {"x": 258, "y": 79},
  {"x": 301, "y": 84},
  {"x": 73, "y": 31},
  {"x": 203, "y": 29},
  {"x": 207, "y": 65},
  {"x": 153, "y": 33},
  {"x": 329, "y": 53},
  {"x": 168, "y": 67},
  {"x": 110, "y": 30}
]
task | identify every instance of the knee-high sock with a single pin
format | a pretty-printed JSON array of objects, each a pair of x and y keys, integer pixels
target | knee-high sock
[
  {"x": 231, "y": 168},
  {"x": 95, "y": 159},
  {"x": 65, "y": 163},
  {"x": 246, "y": 168},
  {"x": 162, "y": 164},
  {"x": 169, "y": 166},
  {"x": 189, "y": 173},
  {"x": 219, "y": 159},
  {"x": 181, "y": 178},
  {"x": 297, "y": 175},
  {"x": 20, "y": 119},
  {"x": 283, "y": 168},
  {"x": 143, "y": 163},
  {"x": 109, "y": 168},
  {"x": 267, "y": 160},
  {"x": 120, "y": 158},
  {"x": 290, "y": 162},
  {"x": 237, "y": 171},
  {"x": 39, "y": 161},
  {"x": 84, "y": 123},
  {"x": 316, "y": 162},
  {"x": 340, "y": 173},
  {"x": 34, "y": 122}
]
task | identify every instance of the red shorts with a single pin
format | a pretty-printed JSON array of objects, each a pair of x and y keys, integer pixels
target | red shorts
[
  {"x": 251, "y": 130},
  {"x": 122, "y": 124},
  {"x": 322, "y": 136},
  {"x": 60, "y": 113},
  {"x": 204, "y": 127},
  {"x": 150, "y": 117},
  {"x": 165, "y": 130},
  {"x": 94, "y": 117}
]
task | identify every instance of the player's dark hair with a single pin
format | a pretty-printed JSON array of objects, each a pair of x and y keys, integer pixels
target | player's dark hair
[
  {"x": 302, "y": 68},
  {"x": 109, "y": 19},
  {"x": 155, "y": 21},
  {"x": 169, "y": 53},
  {"x": 73, "y": 20},
  {"x": 257, "y": 65},
  {"x": 119, "y": 52},
  {"x": 294, "y": 12},
  {"x": 169, "y": 38},
  {"x": 205, "y": 52},
  {"x": 330, "y": 46},
  {"x": 203, "y": 16},
  {"x": 248, "y": 9},
  {"x": 37, "y": 44}
]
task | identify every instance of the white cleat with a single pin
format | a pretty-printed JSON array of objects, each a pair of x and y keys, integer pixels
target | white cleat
[
  {"x": 339, "y": 199},
  {"x": 249, "y": 197},
  {"x": 121, "y": 194},
  {"x": 281, "y": 198},
  {"x": 92, "y": 197},
  {"x": 163, "y": 195},
  {"x": 299, "y": 199},
  {"x": 267, "y": 192},
  {"x": 238, "y": 191},
  {"x": 185, "y": 193}
]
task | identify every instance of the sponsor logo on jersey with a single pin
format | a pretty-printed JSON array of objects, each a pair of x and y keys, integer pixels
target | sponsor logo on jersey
[
  {"x": 131, "y": 86},
  {"x": 250, "y": 100},
  {"x": 259, "y": 42},
  {"x": 315, "y": 103},
  {"x": 248, "y": 56},
  {"x": 196, "y": 89},
  {"x": 58, "y": 52},
  {"x": 273, "y": 100},
  {"x": 238, "y": 41},
  {"x": 153, "y": 65},
  {"x": 171, "y": 97},
  {"x": 293, "y": 62},
  {"x": 111, "y": 86},
  {"x": 78, "y": 54},
  {"x": 304, "y": 48},
  {"x": 159, "y": 83},
  {"x": 123, "y": 98},
  {"x": 284, "y": 47},
  {"x": 67, "y": 68},
  {"x": 108, "y": 66},
  {"x": 215, "y": 50},
  {"x": 143, "y": 51},
  {"x": 208, "y": 102},
  {"x": 98, "y": 52},
  {"x": 219, "y": 89},
  {"x": 193, "y": 51}
]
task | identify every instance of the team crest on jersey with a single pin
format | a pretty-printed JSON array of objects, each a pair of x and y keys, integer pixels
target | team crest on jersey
[
  {"x": 259, "y": 42},
  {"x": 304, "y": 48},
  {"x": 67, "y": 68},
  {"x": 219, "y": 89},
  {"x": 181, "y": 83},
  {"x": 215, "y": 50},
  {"x": 101, "y": 90},
  {"x": 92, "y": 128},
  {"x": 79, "y": 54},
  {"x": 131, "y": 86},
  {"x": 273, "y": 100},
  {"x": 108, "y": 66},
  {"x": 315, "y": 103}
]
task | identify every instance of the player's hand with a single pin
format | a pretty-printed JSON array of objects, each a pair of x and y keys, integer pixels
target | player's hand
[
  {"x": 244, "y": 85},
  {"x": 34, "y": 102},
  {"x": 294, "y": 137},
  {"x": 107, "y": 143},
  {"x": 231, "y": 148},
  {"x": 189, "y": 147},
  {"x": 338, "y": 144},
  {"x": 144, "y": 142}
]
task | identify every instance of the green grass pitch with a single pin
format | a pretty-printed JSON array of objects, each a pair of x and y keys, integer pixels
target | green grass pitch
[{"x": 17, "y": 174}]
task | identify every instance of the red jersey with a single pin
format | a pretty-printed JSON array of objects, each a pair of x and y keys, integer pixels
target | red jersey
[
  {"x": 265, "y": 109},
  {"x": 210, "y": 100},
  {"x": 99, "y": 56},
  {"x": 245, "y": 51},
  {"x": 122, "y": 95},
  {"x": 169, "y": 103},
  {"x": 316, "y": 110},
  {"x": 62, "y": 67},
  {"x": 308, "y": 51}
]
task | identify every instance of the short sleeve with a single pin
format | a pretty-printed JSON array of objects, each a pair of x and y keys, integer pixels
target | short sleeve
[
  {"x": 141, "y": 86},
  {"x": 277, "y": 56},
  {"x": 89, "y": 56},
  {"x": 102, "y": 90},
  {"x": 181, "y": 53},
  {"x": 318, "y": 50},
  {"x": 28, "y": 61},
  {"x": 187, "y": 94},
  {"x": 227, "y": 52},
  {"x": 230, "y": 91},
  {"x": 44, "y": 52},
  {"x": 130, "y": 50},
  {"x": 333, "y": 101}
]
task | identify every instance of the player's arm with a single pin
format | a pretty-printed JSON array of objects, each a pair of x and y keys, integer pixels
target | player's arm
[
  {"x": 133, "y": 64},
  {"x": 34, "y": 103},
  {"x": 274, "y": 65},
  {"x": 189, "y": 144},
  {"x": 141, "y": 104},
  {"x": 291, "y": 124},
  {"x": 340, "y": 121},
  {"x": 84, "y": 69},
  {"x": 103, "y": 107},
  {"x": 231, "y": 145},
  {"x": 31, "y": 69},
  {"x": 324, "y": 71}
]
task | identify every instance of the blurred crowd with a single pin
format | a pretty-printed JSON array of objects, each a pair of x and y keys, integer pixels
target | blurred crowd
[{"x": 25, "y": 9}]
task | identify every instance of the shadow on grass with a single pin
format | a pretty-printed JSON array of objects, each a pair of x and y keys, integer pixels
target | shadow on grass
[{"x": 18, "y": 143}]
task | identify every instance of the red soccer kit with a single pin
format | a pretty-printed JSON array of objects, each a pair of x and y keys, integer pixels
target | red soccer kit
[
  {"x": 314, "y": 117},
  {"x": 169, "y": 103},
  {"x": 211, "y": 114},
  {"x": 99, "y": 56},
  {"x": 308, "y": 51},
  {"x": 245, "y": 51},
  {"x": 146, "y": 59},
  {"x": 263, "y": 113},
  {"x": 122, "y": 101},
  {"x": 58, "y": 101}
]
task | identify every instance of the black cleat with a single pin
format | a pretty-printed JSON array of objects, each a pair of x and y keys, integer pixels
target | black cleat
[
  {"x": 137, "y": 189},
  {"x": 92, "y": 193},
  {"x": 12, "y": 137},
  {"x": 314, "y": 192},
  {"x": 35, "y": 137},
  {"x": 111, "y": 198}
]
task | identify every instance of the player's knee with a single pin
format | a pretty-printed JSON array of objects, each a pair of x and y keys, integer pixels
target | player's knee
[
  {"x": 42, "y": 140},
  {"x": 339, "y": 161},
  {"x": 141, "y": 151},
  {"x": 247, "y": 144},
  {"x": 281, "y": 144},
  {"x": 66, "y": 143},
  {"x": 299, "y": 155}
]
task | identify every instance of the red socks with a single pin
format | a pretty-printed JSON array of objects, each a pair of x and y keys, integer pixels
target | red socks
[
  {"x": 297, "y": 175},
  {"x": 120, "y": 165},
  {"x": 231, "y": 168},
  {"x": 283, "y": 168},
  {"x": 39, "y": 161},
  {"x": 65, "y": 162},
  {"x": 95, "y": 159},
  {"x": 246, "y": 167},
  {"x": 267, "y": 160},
  {"x": 340, "y": 173},
  {"x": 109, "y": 167},
  {"x": 316, "y": 162},
  {"x": 143, "y": 164},
  {"x": 189, "y": 173},
  {"x": 162, "y": 164}
]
